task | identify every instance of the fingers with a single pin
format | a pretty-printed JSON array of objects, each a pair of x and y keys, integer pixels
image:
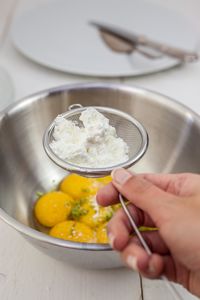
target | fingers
[
  {"x": 136, "y": 258},
  {"x": 154, "y": 241},
  {"x": 119, "y": 230},
  {"x": 154, "y": 200},
  {"x": 164, "y": 181},
  {"x": 153, "y": 266},
  {"x": 107, "y": 195},
  {"x": 182, "y": 184},
  {"x": 143, "y": 194},
  {"x": 119, "y": 227},
  {"x": 171, "y": 183}
]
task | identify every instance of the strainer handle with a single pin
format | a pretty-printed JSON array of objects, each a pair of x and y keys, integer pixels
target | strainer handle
[{"x": 74, "y": 106}]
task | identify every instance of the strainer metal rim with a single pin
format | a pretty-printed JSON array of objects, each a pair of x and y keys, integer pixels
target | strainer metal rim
[{"x": 95, "y": 172}]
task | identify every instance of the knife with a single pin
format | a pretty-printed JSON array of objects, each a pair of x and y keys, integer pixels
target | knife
[{"x": 142, "y": 40}]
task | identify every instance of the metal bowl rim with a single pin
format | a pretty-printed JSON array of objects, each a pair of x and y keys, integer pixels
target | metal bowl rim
[{"x": 14, "y": 107}]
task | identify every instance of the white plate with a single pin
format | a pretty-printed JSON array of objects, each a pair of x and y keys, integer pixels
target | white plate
[
  {"x": 58, "y": 35},
  {"x": 6, "y": 89}
]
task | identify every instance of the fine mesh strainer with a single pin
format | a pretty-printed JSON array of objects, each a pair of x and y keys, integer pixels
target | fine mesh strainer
[
  {"x": 136, "y": 137},
  {"x": 128, "y": 128}
]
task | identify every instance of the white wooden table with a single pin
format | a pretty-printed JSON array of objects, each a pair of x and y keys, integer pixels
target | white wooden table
[{"x": 25, "y": 273}]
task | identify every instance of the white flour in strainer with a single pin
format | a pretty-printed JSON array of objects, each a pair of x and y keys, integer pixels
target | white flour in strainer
[{"x": 95, "y": 145}]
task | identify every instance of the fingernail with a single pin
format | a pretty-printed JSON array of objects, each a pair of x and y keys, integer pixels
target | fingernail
[
  {"x": 111, "y": 239},
  {"x": 131, "y": 261},
  {"x": 151, "y": 268},
  {"x": 120, "y": 176}
]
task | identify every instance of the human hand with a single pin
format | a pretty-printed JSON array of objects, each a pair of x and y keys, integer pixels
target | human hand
[{"x": 168, "y": 202}]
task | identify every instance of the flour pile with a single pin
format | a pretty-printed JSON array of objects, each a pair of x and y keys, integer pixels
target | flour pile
[{"x": 95, "y": 145}]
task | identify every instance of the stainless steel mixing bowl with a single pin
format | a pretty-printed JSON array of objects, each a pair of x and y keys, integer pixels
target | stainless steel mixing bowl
[{"x": 174, "y": 143}]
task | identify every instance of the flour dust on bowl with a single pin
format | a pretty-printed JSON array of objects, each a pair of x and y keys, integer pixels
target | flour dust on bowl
[{"x": 174, "y": 135}]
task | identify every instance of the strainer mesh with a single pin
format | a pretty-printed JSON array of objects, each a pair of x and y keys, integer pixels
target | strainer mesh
[
  {"x": 125, "y": 129},
  {"x": 128, "y": 128}
]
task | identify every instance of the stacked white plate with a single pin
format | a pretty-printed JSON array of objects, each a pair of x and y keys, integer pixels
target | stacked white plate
[
  {"x": 58, "y": 35},
  {"x": 6, "y": 89}
]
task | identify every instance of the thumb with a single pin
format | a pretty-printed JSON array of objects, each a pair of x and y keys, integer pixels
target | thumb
[{"x": 144, "y": 194}]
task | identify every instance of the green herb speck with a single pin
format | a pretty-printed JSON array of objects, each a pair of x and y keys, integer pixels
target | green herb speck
[
  {"x": 39, "y": 194},
  {"x": 78, "y": 211}
]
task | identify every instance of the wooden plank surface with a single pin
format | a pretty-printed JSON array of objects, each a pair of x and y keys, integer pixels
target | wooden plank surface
[
  {"x": 156, "y": 289},
  {"x": 26, "y": 273}
]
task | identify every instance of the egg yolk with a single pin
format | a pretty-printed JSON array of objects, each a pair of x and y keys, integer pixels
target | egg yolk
[
  {"x": 104, "y": 180},
  {"x": 102, "y": 236},
  {"x": 73, "y": 231},
  {"x": 94, "y": 216},
  {"x": 72, "y": 213},
  {"x": 52, "y": 208},
  {"x": 78, "y": 187}
]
